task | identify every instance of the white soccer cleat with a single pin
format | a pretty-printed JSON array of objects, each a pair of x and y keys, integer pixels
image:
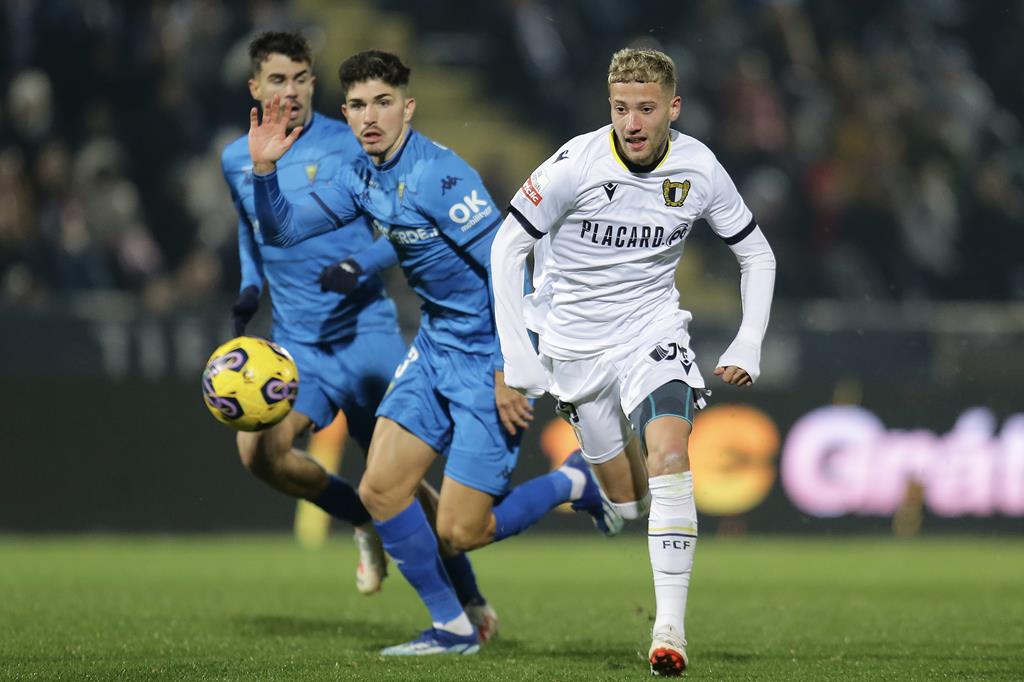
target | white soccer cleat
[
  {"x": 373, "y": 562},
  {"x": 484, "y": 619},
  {"x": 668, "y": 653}
]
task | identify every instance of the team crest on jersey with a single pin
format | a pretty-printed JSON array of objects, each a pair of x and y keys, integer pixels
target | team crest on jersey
[
  {"x": 675, "y": 192},
  {"x": 311, "y": 172}
]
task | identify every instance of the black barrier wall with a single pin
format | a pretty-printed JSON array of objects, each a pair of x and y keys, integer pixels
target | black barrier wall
[{"x": 104, "y": 429}]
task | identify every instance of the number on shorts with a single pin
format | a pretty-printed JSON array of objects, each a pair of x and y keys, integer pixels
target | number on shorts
[{"x": 412, "y": 356}]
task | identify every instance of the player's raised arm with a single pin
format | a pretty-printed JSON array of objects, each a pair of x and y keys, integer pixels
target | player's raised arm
[
  {"x": 286, "y": 223},
  {"x": 731, "y": 220},
  {"x": 248, "y": 301}
]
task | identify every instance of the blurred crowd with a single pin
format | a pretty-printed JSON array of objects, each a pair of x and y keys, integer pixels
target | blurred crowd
[
  {"x": 878, "y": 141},
  {"x": 113, "y": 118}
]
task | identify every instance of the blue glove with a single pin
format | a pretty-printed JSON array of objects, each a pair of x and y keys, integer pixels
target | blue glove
[
  {"x": 244, "y": 308},
  {"x": 341, "y": 277}
]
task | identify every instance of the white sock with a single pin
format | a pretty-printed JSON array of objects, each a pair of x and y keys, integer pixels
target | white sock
[
  {"x": 459, "y": 625},
  {"x": 631, "y": 511},
  {"x": 671, "y": 541},
  {"x": 577, "y": 478}
]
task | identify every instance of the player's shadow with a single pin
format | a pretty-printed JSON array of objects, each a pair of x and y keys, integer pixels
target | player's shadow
[
  {"x": 566, "y": 649},
  {"x": 728, "y": 656},
  {"x": 302, "y": 626}
]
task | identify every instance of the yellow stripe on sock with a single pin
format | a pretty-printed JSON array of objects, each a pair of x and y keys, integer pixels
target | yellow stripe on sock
[{"x": 668, "y": 528}]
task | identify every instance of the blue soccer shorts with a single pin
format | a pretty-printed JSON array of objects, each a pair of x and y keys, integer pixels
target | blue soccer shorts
[
  {"x": 350, "y": 375},
  {"x": 445, "y": 398}
]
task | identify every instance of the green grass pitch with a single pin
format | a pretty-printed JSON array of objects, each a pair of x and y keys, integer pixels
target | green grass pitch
[{"x": 571, "y": 607}]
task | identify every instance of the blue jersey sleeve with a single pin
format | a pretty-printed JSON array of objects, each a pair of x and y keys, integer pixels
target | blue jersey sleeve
[
  {"x": 453, "y": 196},
  {"x": 286, "y": 223},
  {"x": 248, "y": 252},
  {"x": 249, "y": 256}
]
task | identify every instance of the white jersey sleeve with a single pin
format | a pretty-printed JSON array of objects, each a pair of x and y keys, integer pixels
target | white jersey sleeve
[
  {"x": 523, "y": 370},
  {"x": 540, "y": 204},
  {"x": 729, "y": 217},
  {"x": 549, "y": 193}
]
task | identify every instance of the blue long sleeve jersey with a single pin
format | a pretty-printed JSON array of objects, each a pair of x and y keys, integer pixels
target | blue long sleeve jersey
[
  {"x": 437, "y": 215},
  {"x": 301, "y": 311}
]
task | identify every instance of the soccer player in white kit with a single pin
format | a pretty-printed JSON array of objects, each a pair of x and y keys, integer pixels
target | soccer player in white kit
[{"x": 612, "y": 210}]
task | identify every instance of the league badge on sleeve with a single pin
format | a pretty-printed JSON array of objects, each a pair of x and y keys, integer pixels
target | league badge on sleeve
[{"x": 533, "y": 187}]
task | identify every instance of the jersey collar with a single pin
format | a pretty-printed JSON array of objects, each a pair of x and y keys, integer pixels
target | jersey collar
[
  {"x": 633, "y": 167},
  {"x": 309, "y": 126},
  {"x": 393, "y": 161}
]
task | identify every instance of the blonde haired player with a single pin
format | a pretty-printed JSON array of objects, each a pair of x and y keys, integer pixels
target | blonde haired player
[{"x": 613, "y": 208}]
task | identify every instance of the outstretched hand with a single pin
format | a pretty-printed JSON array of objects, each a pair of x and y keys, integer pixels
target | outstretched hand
[
  {"x": 269, "y": 139},
  {"x": 737, "y": 376}
]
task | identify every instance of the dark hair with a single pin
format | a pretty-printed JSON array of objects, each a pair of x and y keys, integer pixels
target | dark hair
[
  {"x": 373, "y": 65},
  {"x": 291, "y": 45}
]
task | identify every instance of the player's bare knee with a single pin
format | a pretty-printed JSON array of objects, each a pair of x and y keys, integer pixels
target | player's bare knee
[
  {"x": 250, "y": 451},
  {"x": 672, "y": 459},
  {"x": 462, "y": 537},
  {"x": 373, "y": 497}
]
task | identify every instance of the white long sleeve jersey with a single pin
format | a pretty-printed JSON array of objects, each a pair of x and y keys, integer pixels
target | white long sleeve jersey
[{"x": 614, "y": 236}]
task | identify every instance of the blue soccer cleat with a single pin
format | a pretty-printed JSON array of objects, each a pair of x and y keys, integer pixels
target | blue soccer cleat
[
  {"x": 607, "y": 520},
  {"x": 435, "y": 641}
]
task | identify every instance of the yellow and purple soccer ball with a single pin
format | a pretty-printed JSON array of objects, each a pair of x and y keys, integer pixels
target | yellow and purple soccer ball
[{"x": 250, "y": 383}]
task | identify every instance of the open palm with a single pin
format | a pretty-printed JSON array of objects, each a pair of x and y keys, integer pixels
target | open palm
[{"x": 269, "y": 139}]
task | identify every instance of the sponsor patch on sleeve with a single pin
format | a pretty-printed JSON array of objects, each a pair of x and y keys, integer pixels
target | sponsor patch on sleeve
[{"x": 533, "y": 187}]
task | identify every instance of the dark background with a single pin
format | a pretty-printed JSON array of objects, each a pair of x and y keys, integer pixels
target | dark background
[{"x": 879, "y": 144}]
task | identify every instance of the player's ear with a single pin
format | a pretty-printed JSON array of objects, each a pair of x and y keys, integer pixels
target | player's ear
[
  {"x": 254, "y": 89},
  {"x": 675, "y": 106},
  {"x": 410, "y": 107}
]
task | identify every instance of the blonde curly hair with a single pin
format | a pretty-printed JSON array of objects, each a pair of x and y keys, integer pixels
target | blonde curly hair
[{"x": 637, "y": 65}]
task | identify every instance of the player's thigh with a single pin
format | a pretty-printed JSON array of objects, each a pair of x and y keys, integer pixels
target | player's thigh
[
  {"x": 261, "y": 449},
  {"x": 665, "y": 418},
  {"x": 396, "y": 463}
]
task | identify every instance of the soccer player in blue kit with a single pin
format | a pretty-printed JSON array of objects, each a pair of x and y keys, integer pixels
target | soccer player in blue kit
[
  {"x": 346, "y": 346},
  {"x": 448, "y": 395}
]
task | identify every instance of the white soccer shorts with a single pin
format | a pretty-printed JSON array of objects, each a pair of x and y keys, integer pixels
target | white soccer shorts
[{"x": 596, "y": 394}]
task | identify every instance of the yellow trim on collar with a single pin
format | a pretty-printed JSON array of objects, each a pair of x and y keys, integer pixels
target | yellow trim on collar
[{"x": 615, "y": 151}]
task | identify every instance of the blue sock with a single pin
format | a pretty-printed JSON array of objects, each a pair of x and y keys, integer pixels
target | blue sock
[
  {"x": 463, "y": 579},
  {"x": 527, "y": 503},
  {"x": 341, "y": 501},
  {"x": 410, "y": 541}
]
